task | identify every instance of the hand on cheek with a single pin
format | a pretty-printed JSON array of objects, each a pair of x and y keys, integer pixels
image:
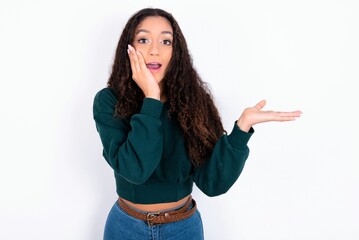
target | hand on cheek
[{"x": 142, "y": 75}]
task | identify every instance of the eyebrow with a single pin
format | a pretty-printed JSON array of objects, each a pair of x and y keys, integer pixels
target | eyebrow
[{"x": 146, "y": 31}]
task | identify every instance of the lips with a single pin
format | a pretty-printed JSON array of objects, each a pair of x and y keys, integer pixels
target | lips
[{"x": 153, "y": 66}]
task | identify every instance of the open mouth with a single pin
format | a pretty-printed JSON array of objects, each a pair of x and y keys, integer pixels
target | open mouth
[{"x": 153, "y": 65}]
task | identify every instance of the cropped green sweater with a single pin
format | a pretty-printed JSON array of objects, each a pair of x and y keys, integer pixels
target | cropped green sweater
[{"x": 148, "y": 154}]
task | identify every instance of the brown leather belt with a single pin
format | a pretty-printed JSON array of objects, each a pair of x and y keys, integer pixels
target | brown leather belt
[{"x": 155, "y": 218}]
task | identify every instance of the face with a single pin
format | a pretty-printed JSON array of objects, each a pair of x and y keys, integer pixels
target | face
[{"x": 153, "y": 38}]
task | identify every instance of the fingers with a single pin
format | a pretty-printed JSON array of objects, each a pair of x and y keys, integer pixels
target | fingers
[
  {"x": 287, "y": 116},
  {"x": 136, "y": 59},
  {"x": 133, "y": 59},
  {"x": 278, "y": 115},
  {"x": 141, "y": 61},
  {"x": 137, "y": 62},
  {"x": 260, "y": 105},
  {"x": 291, "y": 114},
  {"x": 142, "y": 75}
]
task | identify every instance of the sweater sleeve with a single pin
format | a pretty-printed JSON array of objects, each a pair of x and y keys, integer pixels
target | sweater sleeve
[
  {"x": 132, "y": 148},
  {"x": 226, "y": 163}
]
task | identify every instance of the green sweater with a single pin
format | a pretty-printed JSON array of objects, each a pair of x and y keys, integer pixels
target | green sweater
[{"x": 148, "y": 155}]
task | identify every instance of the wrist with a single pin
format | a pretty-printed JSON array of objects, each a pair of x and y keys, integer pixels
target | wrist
[
  {"x": 153, "y": 94},
  {"x": 243, "y": 124}
]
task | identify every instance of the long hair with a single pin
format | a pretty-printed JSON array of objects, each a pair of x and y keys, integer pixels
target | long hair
[{"x": 190, "y": 99}]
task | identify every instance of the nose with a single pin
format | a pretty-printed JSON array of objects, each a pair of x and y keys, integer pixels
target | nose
[{"x": 154, "y": 50}]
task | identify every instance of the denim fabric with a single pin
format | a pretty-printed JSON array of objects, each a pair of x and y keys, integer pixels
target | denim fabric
[{"x": 121, "y": 226}]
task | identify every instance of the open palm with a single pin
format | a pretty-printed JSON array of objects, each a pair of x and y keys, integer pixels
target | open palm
[{"x": 255, "y": 115}]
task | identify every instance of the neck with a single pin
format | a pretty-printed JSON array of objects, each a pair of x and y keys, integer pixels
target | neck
[{"x": 163, "y": 97}]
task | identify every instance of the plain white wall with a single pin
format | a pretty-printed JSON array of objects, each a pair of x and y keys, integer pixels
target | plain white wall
[{"x": 301, "y": 179}]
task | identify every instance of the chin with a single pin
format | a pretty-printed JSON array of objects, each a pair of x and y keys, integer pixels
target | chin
[{"x": 159, "y": 79}]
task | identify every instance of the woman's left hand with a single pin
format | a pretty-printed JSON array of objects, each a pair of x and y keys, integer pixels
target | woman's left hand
[{"x": 255, "y": 115}]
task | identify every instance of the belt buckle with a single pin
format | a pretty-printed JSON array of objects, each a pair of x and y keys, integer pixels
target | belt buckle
[{"x": 150, "y": 216}]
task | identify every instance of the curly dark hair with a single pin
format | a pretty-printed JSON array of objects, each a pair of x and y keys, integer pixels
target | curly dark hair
[{"x": 190, "y": 99}]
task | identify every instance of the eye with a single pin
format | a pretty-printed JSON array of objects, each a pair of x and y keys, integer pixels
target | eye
[
  {"x": 143, "y": 40},
  {"x": 167, "y": 42}
]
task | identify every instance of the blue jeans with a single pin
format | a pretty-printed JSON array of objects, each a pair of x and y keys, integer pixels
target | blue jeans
[{"x": 121, "y": 226}]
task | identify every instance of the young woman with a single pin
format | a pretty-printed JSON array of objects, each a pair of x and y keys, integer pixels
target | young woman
[{"x": 161, "y": 132}]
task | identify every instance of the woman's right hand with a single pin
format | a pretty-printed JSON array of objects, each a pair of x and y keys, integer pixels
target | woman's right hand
[{"x": 142, "y": 75}]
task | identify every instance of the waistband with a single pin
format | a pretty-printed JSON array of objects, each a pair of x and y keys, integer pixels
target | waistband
[
  {"x": 153, "y": 191},
  {"x": 161, "y": 217}
]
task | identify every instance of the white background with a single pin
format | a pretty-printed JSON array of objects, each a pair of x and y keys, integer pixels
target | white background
[{"x": 301, "y": 179}]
